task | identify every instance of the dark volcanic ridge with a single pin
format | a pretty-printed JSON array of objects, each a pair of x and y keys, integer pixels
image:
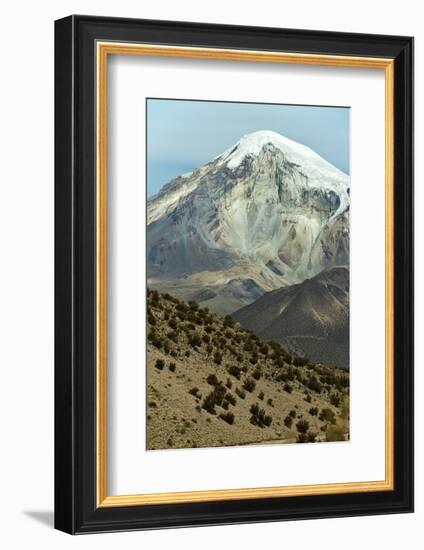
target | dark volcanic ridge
[{"x": 310, "y": 318}]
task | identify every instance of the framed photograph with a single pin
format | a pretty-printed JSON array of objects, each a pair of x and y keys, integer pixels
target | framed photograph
[{"x": 234, "y": 269}]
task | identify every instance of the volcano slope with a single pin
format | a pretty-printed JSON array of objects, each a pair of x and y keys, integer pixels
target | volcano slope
[{"x": 266, "y": 213}]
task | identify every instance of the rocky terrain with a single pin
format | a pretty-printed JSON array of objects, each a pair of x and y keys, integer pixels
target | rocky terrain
[{"x": 213, "y": 383}]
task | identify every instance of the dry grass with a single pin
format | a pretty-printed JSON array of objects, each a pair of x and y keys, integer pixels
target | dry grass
[{"x": 206, "y": 375}]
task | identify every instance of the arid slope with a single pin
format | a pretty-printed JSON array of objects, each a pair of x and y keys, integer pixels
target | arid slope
[{"x": 212, "y": 383}]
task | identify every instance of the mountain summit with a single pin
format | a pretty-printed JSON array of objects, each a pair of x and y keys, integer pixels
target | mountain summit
[{"x": 266, "y": 213}]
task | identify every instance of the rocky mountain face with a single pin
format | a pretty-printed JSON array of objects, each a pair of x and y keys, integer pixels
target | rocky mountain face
[
  {"x": 311, "y": 318},
  {"x": 267, "y": 213}
]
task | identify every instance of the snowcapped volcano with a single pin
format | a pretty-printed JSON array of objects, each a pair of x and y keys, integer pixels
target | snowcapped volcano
[{"x": 266, "y": 213}]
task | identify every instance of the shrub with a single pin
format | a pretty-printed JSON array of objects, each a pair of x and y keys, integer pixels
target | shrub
[
  {"x": 249, "y": 385},
  {"x": 261, "y": 395},
  {"x": 327, "y": 415},
  {"x": 152, "y": 404},
  {"x": 254, "y": 359},
  {"x": 257, "y": 374},
  {"x": 209, "y": 349},
  {"x": 194, "y": 340},
  {"x": 248, "y": 346},
  {"x": 151, "y": 320},
  {"x": 154, "y": 297},
  {"x": 234, "y": 371},
  {"x": 160, "y": 363},
  {"x": 259, "y": 417},
  {"x": 308, "y": 397},
  {"x": 154, "y": 339},
  {"x": 313, "y": 384},
  {"x": 217, "y": 357},
  {"x": 264, "y": 349},
  {"x": 219, "y": 393},
  {"x": 279, "y": 362},
  {"x": 293, "y": 413},
  {"x": 302, "y": 438},
  {"x": 241, "y": 393},
  {"x": 228, "y": 321},
  {"x": 300, "y": 361},
  {"x": 288, "y": 421},
  {"x": 182, "y": 307},
  {"x": 172, "y": 366},
  {"x": 281, "y": 377},
  {"x": 254, "y": 409},
  {"x": 335, "y": 399},
  {"x": 268, "y": 420},
  {"x": 228, "y": 417},
  {"x": 302, "y": 426},
  {"x": 212, "y": 379},
  {"x": 229, "y": 384},
  {"x": 288, "y": 388},
  {"x": 209, "y": 403},
  {"x": 311, "y": 437},
  {"x": 194, "y": 391},
  {"x": 230, "y": 398},
  {"x": 172, "y": 335},
  {"x": 206, "y": 338},
  {"x": 291, "y": 373},
  {"x": 269, "y": 402},
  {"x": 313, "y": 411}
]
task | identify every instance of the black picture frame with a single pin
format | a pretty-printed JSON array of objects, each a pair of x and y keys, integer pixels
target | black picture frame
[{"x": 76, "y": 510}]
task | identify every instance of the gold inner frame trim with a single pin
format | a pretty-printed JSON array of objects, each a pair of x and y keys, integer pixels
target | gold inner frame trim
[{"x": 104, "y": 49}]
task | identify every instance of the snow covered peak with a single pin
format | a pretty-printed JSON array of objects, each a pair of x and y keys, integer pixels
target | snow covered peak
[
  {"x": 316, "y": 173},
  {"x": 252, "y": 144},
  {"x": 321, "y": 174}
]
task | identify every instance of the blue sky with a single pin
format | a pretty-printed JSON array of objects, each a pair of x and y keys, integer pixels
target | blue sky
[{"x": 183, "y": 135}]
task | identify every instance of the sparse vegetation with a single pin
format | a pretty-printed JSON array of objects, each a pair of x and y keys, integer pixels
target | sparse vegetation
[
  {"x": 241, "y": 393},
  {"x": 212, "y": 379},
  {"x": 224, "y": 369},
  {"x": 227, "y": 417},
  {"x": 259, "y": 416},
  {"x": 327, "y": 415},
  {"x": 160, "y": 363},
  {"x": 302, "y": 426},
  {"x": 234, "y": 371},
  {"x": 288, "y": 421},
  {"x": 217, "y": 357},
  {"x": 249, "y": 385}
]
